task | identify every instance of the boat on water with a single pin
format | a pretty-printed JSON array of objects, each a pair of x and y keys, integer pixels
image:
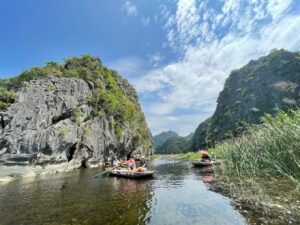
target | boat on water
[
  {"x": 203, "y": 164},
  {"x": 126, "y": 174}
]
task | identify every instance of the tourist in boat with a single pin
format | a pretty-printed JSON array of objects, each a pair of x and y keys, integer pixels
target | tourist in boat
[
  {"x": 130, "y": 164},
  {"x": 142, "y": 165},
  {"x": 116, "y": 164},
  {"x": 213, "y": 157},
  {"x": 204, "y": 156}
]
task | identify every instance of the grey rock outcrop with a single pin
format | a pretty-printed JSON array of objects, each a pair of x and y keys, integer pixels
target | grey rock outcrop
[{"x": 49, "y": 128}]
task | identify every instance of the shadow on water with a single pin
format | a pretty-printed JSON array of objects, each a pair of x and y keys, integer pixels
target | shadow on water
[{"x": 176, "y": 195}]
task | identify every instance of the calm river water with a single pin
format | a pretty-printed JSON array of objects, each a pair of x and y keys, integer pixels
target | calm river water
[{"x": 176, "y": 195}]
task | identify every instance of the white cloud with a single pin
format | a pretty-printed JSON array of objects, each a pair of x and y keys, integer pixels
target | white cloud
[
  {"x": 187, "y": 20},
  {"x": 194, "y": 82},
  {"x": 129, "y": 67},
  {"x": 183, "y": 124},
  {"x": 145, "y": 21},
  {"x": 130, "y": 8},
  {"x": 277, "y": 7},
  {"x": 165, "y": 13},
  {"x": 155, "y": 59}
]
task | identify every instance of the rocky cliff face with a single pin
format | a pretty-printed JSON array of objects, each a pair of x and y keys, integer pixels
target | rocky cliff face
[
  {"x": 266, "y": 85},
  {"x": 52, "y": 125}
]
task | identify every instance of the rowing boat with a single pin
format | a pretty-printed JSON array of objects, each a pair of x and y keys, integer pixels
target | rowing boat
[
  {"x": 203, "y": 164},
  {"x": 126, "y": 174}
]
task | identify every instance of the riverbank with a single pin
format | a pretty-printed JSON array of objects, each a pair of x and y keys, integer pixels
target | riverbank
[
  {"x": 270, "y": 201},
  {"x": 189, "y": 156},
  {"x": 261, "y": 169},
  {"x": 12, "y": 173}
]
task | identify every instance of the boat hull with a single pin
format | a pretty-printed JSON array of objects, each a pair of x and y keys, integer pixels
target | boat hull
[
  {"x": 204, "y": 164},
  {"x": 126, "y": 174}
]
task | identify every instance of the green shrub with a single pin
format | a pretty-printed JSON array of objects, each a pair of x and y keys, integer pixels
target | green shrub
[
  {"x": 6, "y": 93},
  {"x": 71, "y": 73},
  {"x": 270, "y": 149},
  {"x": 50, "y": 88},
  {"x": 100, "y": 114},
  {"x": 4, "y": 105},
  {"x": 77, "y": 116},
  {"x": 254, "y": 109},
  {"x": 63, "y": 132},
  {"x": 87, "y": 132},
  {"x": 6, "y": 98},
  {"x": 249, "y": 78}
]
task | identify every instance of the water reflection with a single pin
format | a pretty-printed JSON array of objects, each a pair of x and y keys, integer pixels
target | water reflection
[
  {"x": 181, "y": 197},
  {"x": 75, "y": 198},
  {"x": 207, "y": 174},
  {"x": 177, "y": 195}
]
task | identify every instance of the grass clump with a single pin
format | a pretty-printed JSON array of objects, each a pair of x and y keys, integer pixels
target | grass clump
[
  {"x": 4, "y": 105},
  {"x": 63, "y": 132},
  {"x": 271, "y": 149},
  {"x": 87, "y": 132},
  {"x": 77, "y": 116},
  {"x": 6, "y": 98}
]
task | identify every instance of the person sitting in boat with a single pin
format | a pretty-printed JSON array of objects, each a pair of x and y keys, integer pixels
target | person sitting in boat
[
  {"x": 213, "y": 157},
  {"x": 116, "y": 164},
  {"x": 142, "y": 165},
  {"x": 204, "y": 156},
  {"x": 130, "y": 164}
]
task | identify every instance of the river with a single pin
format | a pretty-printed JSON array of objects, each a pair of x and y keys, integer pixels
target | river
[{"x": 176, "y": 195}]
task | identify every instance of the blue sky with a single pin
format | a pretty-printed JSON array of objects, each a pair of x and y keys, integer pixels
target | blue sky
[{"x": 177, "y": 53}]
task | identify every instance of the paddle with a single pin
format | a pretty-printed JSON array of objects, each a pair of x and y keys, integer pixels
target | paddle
[{"x": 99, "y": 174}]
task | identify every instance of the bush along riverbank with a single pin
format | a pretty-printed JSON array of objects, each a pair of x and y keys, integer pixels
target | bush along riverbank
[{"x": 261, "y": 170}]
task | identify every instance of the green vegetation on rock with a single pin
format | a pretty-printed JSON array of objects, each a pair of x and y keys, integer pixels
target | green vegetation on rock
[
  {"x": 266, "y": 85},
  {"x": 6, "y": 98},
  {"x": 112, "y": 96},
  {"x": 63, "y": 132}
]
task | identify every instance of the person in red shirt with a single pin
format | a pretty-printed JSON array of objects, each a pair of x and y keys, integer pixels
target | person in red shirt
[{"x": 130, "y": 164}]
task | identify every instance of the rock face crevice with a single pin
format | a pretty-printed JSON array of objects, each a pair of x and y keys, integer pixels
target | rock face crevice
[{"x": 49, "y": 128}]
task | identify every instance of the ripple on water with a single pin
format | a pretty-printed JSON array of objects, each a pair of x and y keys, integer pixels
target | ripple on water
[{"x": 175, "y": 196}]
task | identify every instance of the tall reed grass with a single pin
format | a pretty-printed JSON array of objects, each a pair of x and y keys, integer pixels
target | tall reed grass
[{"x": 271, "y": 149}]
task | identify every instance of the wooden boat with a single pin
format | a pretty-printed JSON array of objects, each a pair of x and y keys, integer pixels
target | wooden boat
[
  {"x": 126, "y": 174},
  {"x": 203, "y": 164}
]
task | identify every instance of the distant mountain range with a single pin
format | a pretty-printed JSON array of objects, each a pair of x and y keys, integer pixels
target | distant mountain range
[
  {"x": 171, "y": 142},
  {"x": 161, "y": 138}
]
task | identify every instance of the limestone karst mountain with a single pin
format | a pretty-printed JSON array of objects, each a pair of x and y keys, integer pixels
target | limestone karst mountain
[
  {"x": 266, "y": 85},
  {"x": 71, "y": 115}
]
